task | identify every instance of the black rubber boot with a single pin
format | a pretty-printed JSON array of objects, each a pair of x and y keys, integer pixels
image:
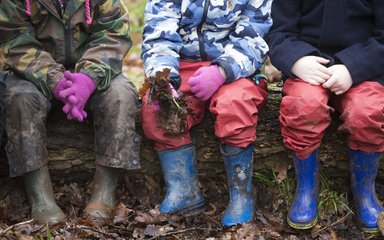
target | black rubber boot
[
  {"x": 101, "y": 207},
  {"x": 41, "y": 198}
]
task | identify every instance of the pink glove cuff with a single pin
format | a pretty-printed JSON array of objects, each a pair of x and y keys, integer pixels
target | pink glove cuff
[
  {"x": 91, "y": 84},
  {"x": 82, "y": 77},
  {"x": 60, "y": 86}
]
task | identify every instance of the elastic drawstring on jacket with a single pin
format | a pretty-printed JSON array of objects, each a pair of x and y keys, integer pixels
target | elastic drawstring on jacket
[
  {"x": 88, "y": 12},
  {"x": 28, "y": 7},
  {"x": 88, "y": 17}
]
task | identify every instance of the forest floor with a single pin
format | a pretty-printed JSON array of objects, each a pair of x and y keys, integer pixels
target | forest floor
[{"x": 136, "y": 216}]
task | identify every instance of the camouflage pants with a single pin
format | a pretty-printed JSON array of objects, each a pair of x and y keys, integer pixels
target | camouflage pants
[{"x": 114, "y": 111}]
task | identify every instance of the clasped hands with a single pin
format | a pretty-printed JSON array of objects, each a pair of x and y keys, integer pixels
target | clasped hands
[
  {"x": 74, "y": 90},
  {"x": 311, "y": 69}
]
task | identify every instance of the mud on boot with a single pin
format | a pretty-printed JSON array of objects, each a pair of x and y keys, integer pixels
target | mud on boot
[
  {"x": 363, "y": 171},
  {"x": 101, "y": 207},
  {"x": 180, "y": 174},
  {"x": 239, "y": 166}
]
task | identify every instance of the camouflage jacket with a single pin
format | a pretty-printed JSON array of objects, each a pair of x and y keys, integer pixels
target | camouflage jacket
[
  {"x": 227, "y": 32},
  {"x": 40, "y": 47}
]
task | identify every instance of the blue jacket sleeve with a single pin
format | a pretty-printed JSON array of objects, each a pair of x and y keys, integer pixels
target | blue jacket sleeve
[
  {"x": 161, "y": 41},
  {"x": 247, "y": 49}
]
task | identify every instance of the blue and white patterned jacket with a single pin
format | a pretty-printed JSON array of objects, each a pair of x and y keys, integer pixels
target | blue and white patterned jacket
[{"x": 227, "y": 32}]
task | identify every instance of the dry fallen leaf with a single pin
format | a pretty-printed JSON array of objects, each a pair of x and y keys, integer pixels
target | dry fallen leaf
[
  {"x": 122, "y": 213},
  {"x": 380, "y": 223},
  {"x": 154, "y": 216}
]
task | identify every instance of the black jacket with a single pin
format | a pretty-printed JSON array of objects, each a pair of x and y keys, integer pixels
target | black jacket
[{"x": 350, "y": 32}]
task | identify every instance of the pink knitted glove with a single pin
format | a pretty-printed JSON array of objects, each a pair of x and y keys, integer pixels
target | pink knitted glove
[
  {"x": 62, "y": 84},
  {"x": 155, "y": 104},
  {"x": 82, "y": 88},
  {"x": 205, "y": 82}
]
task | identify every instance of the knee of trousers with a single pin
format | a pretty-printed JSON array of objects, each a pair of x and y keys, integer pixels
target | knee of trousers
[
  {"x": 304, "y": 110},
  {"x": 364, "y": 118},
  {"x": 25, "y": 102},
  {"x": 120, "y": 99}
]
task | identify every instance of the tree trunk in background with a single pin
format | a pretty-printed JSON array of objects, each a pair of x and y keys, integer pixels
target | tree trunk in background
[{"x": 71, "y": 149}]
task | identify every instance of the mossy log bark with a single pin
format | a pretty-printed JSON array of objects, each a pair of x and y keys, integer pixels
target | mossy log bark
[{"x": 71, "y": 149}]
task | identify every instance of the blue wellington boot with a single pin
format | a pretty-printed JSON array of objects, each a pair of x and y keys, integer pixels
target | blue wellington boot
[
  {"x": 180, "y": 174},
  {"x": 238, "y": 165},
  {"x": 363, "y": 170},
  {"x": 303, "y": 211}
]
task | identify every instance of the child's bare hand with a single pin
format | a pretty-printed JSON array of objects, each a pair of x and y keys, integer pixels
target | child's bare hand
[
  {"x": 340, "y": 81},
  {"x": 311, "y": 70}
]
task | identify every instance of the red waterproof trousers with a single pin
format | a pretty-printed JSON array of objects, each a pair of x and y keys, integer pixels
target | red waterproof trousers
[
  {"x": 235, "y": 107},
  {"x": 305, "y": 115}
]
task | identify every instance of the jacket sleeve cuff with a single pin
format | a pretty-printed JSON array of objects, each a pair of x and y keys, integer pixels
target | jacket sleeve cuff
[
  {"x": 284, "y": 57},
  {"x": 227, "y": 69},
  {"x": 91, "y": 75},
  {"x": 52, "y": 82},
  {"x": 352, "y": 67},
  {"x": 175, "y": 81}
]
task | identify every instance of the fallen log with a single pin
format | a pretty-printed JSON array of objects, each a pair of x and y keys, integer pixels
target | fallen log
[{"x": 71, "y": 149}]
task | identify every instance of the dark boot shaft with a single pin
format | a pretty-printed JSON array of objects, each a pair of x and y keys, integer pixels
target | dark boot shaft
[
  {"x": 104, "y": 184},
  {"x": 101, "y": 206},
  {"x": 42, "y": 200}
]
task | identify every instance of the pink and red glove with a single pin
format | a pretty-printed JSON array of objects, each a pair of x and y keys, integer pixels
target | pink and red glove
[
  {"x": 155, "y": 104},
  {"x": 77, "y": 95},
  {"x": 205, "y": 81}
]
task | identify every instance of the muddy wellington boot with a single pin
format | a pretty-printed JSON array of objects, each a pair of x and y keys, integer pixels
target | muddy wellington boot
[
  {"x": 179, "y": 170},
  {"x": 101, "y": 207},
  {"x": 41, "y": 198},
  {"x": 363, "y": 170},
  {"x": 303, "y": 211},
  {"x": 238, "y": 166}
]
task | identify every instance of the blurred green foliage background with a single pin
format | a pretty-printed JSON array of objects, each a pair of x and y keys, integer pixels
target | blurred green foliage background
[{"x": 136, "y": 11}]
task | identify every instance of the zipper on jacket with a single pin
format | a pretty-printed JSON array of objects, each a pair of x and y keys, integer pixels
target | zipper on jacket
[
  {"x": 50, "y": 10},
  {"x": 67, "y": 44},
  {"x": 200, "y": 35}
]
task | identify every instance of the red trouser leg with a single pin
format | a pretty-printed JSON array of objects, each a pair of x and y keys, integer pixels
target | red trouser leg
[
  {"x": 164, "y": 141},
  {"x": 362, "y": 113},
  {"x": 235, "y": 107},
  {"x": 304, "y": 116}
]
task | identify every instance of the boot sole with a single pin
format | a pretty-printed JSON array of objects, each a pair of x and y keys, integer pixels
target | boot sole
[
  {"x": 368, "y": 230},
  {"x": 192, "y": 210},
  {"x": 300, "y": 226}
]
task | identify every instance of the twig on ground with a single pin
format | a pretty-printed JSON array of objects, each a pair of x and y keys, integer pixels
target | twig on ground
[
  {"x": 213, "y": 220},
  {"x": 315, "y": 233},
  {"x": 183, "y": 231},
  {"x": 74, "y": 212},
  {"x": 82, "y": 227},
  {"x": 15, "y": 225}
]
